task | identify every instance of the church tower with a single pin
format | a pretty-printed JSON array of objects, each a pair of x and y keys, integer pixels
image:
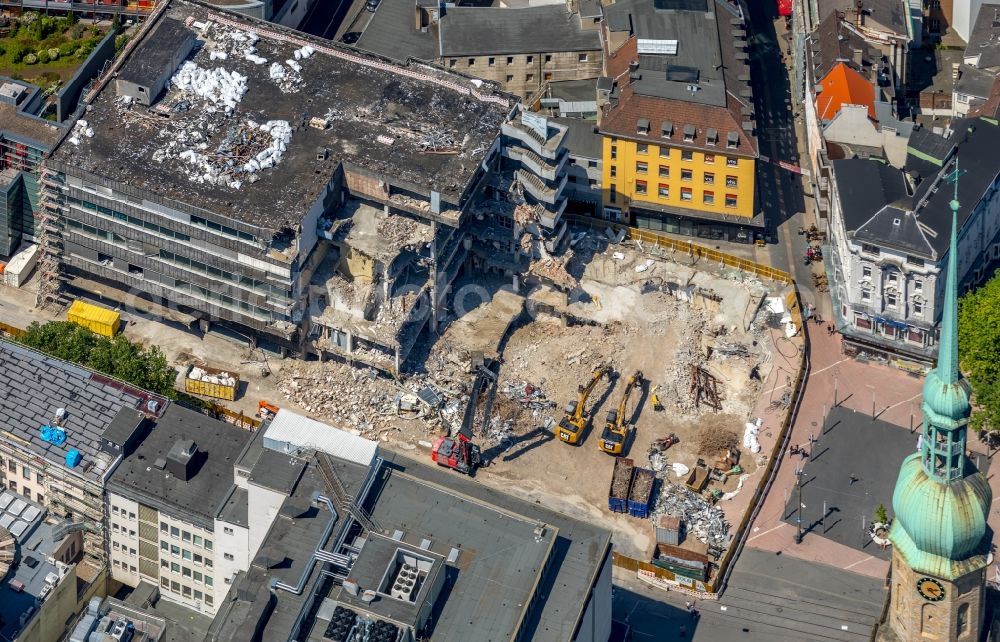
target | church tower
[{"x": 940, "y": 537}]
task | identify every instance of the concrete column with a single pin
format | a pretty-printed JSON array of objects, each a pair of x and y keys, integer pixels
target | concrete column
[
  {"x": 204, "y": 325},
  {"x": 434, "y": 279}
]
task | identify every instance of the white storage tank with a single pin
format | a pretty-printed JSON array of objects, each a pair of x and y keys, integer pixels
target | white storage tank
[{"x": 20, "y": 266}]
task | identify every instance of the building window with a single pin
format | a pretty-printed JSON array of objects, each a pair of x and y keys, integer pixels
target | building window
[
  {"x": 185, "y": 536},
  {"x": 12, "y": 466},
  {"x": 664, "y": 152},
  {"x": 208, "y": 544},
  {"x": 208, "y": 580},
  {"x": 686, "y": 175},
  {"x": 664, "y": 191},
  {"x": 866, "y": 294},
  {"x": 708, "y": 198},
  {"x": 687, "y": 155},
  {"x": 185, "y": 571},
  {"x": 640, "y": 187},
  {"x": 914, "y": 261},
  {"x": 510, "y": 60},
  {"x": 175, "y": 550},
  {"x": 164, "y": 546},
  {"x": 175, "y": 586},
  {"x": 547, "y": 75},
  {"x": 164, "y": 564},
  {"x": 641, "y": 148},
  {"x": 453, "y": 62},
  {"x": 209, "y": 599},
  {"x": 131, "y": 515},
  {"x": 26, "y": 492},
  {"x": 529, "y": 59},
  {"x": 731, "y": 181},
  {"x": 39, "y": 498},
  {"x": 730, "y": 200},
  {"x": 115, "y": 545},
  {"x": 866, "y": 271},
  {"x": 26, "y": 473},
  {"x": 732, "y": 162},
  {"x": 893, "y": 278},
  {"x": 641, "y": 168},
  {"x": 918, "y": 285},
  {"x": 197, "y": 577},
  {"x": 710, "y": 159},
  {"x": 688, "y": 135},
  {"x": 227, "y": 530},
  {"x": 918, "y": 309},
  {"x": 197, "y": 558},
  {"x": 592, "y": 164},
  {"x": 491, "y": 61},
  {"x": 510, "y": 78},
  {"x": 612, "y": 194},
  {"x": 12, "y": 485},
  {"x": 228, "y": 556},
  {"x": 664, "y": 171},
  {"x": 186, "y": 555},
  {"x": 114, "y": 510},
  {"x": 686, "y": 194},
  {"x": 197, "y": 594},
  {"x": 164, "y": 582},
  {"x": 175, "y": 567},
  {"x": 472, "y": 62},
  {"x": 186, "y": 591},
  {"x": 175, "y": 532},
  {"x": 614, "y": 171},
  {"x": 581, "y": 58},
  {"x": 709, "y": 178},
  {"x": 870, "y": 249}
]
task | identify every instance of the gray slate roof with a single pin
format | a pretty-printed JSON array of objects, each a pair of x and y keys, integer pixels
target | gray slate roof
[
  {"x": 471, "y": 31},
  {"x": 34, "y": 386},
  {"x": 201, "y": 497},
  {"x": 984, "y": 41},
  {"x": 391, "y": 33}
]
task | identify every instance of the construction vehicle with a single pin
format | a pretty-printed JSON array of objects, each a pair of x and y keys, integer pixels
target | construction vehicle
[
  {"x": 617, "y": 429},
  {"x": 572, "y": 426},
  {"x": 266, "y": 410},
  {"x": 458, "y": 453},
  {"x": 655, "y": 400}
]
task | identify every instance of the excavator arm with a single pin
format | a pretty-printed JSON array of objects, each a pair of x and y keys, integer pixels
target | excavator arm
[
  {"x": 616, "y": 429},
  {"x": 572, "y": 425}
]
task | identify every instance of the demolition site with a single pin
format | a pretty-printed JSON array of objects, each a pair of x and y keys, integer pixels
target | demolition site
[{"x": 394, "y": 235}]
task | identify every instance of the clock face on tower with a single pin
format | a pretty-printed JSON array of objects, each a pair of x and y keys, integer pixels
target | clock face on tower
[{"x": 930, "y": 589}]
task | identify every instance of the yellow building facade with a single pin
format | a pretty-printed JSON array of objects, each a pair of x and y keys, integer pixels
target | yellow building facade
[{"x": 666, "y": 175}]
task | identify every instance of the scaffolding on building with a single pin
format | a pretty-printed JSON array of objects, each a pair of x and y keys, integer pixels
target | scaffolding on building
[{"x": 50, "y": 224}]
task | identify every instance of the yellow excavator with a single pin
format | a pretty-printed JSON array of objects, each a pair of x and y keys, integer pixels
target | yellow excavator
[
  {"x": 617, "y": 429},
  {"x": 572, "y": 426}
]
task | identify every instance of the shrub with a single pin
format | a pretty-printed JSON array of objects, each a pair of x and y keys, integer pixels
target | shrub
[
  {"x": 17, "y": 52},
  {"x": 43, "y": 56},
  {"x": 53, "y": 54},
  {"x": 76, "y": 31},
  {"x": 67, "y": 49},
  {"x": 30, "y": 59}
]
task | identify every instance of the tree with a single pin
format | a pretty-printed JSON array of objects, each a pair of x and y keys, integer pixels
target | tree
[
  {"x": 979, "y": 347},
  {"x": 118, "y": 357},
  {"x": 881, "y": 516}
]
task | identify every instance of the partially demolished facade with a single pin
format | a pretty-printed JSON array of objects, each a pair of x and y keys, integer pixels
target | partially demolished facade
[{"x": 300, "y": 193}]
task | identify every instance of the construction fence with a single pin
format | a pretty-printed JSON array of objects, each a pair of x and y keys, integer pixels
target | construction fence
[
  {"x": 714, "y": 587},
  {"x": 691, "y": 249}
]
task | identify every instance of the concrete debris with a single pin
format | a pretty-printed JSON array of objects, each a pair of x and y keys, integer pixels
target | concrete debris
[
  {"x": 703, "y": 520},
  {"x": 526, "y": 394},
  {"x": 222, "y": 89},
  {"x": 220, "y": 378}
]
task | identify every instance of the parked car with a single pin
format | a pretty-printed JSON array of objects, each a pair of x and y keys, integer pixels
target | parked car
[
  {"x": 352, "y": 37},
  {"x": 372, "y": 5}
]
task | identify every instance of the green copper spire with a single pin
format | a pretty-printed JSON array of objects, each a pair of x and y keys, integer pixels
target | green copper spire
[
  {"x": 946, "y": 396},
  {"x": 941, "y": 501}
]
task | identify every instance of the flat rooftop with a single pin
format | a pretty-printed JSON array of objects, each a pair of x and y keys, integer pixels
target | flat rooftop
[
  {"x": 416, "y": 126},
  {"x": 24, "y": 127},
  {"x": 501, "y": 556},
  {"x": 31, "y": 570},
  {"x": 203, "y": 495},
  {"x": 36, "y": 385}
]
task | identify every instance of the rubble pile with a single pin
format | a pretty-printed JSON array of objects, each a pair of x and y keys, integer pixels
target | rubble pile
[
  {"x": 703, "y": 520},
  {"x": 221, "y": 89},
  {"x": 372, "y": 406}
]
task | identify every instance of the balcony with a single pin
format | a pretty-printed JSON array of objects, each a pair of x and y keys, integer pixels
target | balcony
[
  {"x": 549, "y": 149},
  {"x": 537, "y": 164},
  {"x": 539, "y": 189}
]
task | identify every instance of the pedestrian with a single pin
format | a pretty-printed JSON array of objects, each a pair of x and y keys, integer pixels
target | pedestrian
[
  {"x": 853, "y": 479},
  {"x": 689, "y": 606}
]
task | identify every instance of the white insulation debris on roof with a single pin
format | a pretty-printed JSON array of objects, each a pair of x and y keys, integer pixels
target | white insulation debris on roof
[
  {"x": 224, "y": 89},
  {"x": 81, "y": 129}
]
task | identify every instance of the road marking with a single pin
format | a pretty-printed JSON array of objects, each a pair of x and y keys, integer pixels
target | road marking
[
  {"x": 835, "y": 363},
  {"x": 766, "y": 532},
  {"x": 859, "y": 561}
]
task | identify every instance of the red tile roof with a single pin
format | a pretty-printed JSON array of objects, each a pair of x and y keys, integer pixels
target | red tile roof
[
  {"x": 621, "y": 119},
  {"x": 843, "y": 86}
]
